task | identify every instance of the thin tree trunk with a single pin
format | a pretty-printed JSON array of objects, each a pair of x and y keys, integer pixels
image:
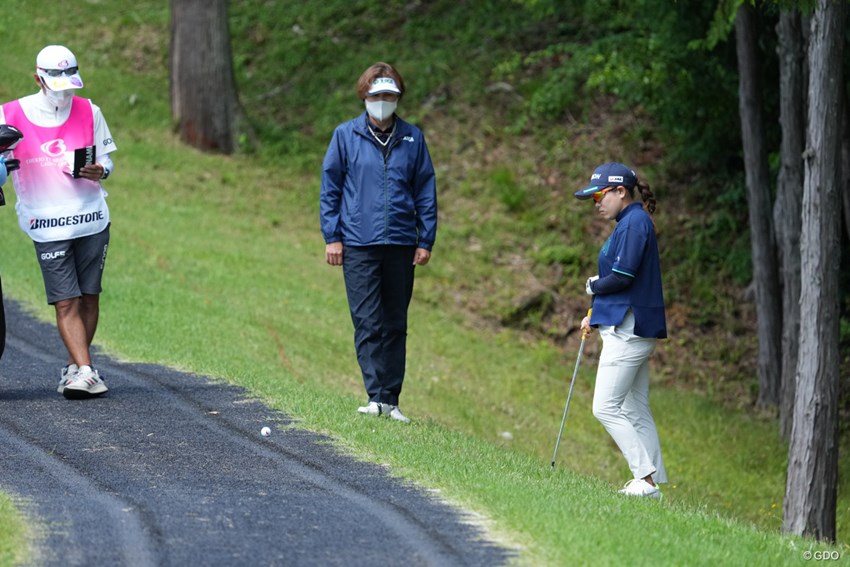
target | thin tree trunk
[
  {"x": 762, "y": 239},
  {"x": 812, "y": 485},
  {"x": 204, "y": 105},
  {"x": 787, "y": 211},
  {"x": 844, "y": 183}
]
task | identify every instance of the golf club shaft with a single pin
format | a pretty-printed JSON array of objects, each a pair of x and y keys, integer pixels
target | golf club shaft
[{"x": 570, "y": 394}]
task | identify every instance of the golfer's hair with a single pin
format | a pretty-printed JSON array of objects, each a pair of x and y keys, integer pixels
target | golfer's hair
[
  {"x": 379, "y": 69},
  {"x": 646, "y": 195}
]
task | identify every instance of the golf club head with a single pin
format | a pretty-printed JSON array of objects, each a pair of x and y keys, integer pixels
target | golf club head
[{"x": 9, "y": 137}]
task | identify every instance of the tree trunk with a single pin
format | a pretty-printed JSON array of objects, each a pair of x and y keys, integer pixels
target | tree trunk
[
  {"x": 762, "y": 239},
  {"x": 844, "y": 182},
  {"x": 204, "y": 105},
  {"x": 787, "y": 211},
  {"x": 811, "y": 489}
]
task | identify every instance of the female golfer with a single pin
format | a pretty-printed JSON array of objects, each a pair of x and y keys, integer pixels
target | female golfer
[
  {"x": 378, "y": 211},
  {"x": 628, "y": 308}
]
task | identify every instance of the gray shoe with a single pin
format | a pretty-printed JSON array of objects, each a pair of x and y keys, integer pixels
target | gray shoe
[{"x": 66, "y": 375}]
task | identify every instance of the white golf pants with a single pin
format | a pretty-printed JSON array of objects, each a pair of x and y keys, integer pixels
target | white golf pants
[{"x": 621, "y": 398}]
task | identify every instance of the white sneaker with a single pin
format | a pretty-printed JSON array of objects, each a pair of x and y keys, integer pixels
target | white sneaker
[
  {"x": 396, "y": 414},
  {"x": 372, "y": 408},
  {"x": 67, "y": 374},
  {"x": 639, "y": 487},
  {"x": 86, "y": 383}
]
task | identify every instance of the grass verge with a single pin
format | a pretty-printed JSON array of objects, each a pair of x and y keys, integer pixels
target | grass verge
[{"x": 14, "y": 531}]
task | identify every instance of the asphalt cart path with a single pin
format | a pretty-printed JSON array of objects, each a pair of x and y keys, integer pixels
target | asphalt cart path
[{"x": 170, "y": 468}]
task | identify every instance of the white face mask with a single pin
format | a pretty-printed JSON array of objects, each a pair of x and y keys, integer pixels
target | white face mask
[
  {"x": 59, "y": 99},
  {"x": 380, "y": 110}
]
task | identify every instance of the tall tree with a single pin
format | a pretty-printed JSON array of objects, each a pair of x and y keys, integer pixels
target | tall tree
[
  {"x": 844, "y": 183},
  {"x": 204, "y": 104},
  {"x": 812, "y": 485},
  {"x": 762, "y": 239},
  {"x": 787, "y": 209}
]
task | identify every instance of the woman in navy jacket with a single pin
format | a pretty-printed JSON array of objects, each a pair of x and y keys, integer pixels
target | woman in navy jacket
[
  {"x": 378, "y": 210},
  {"x": 628, "y": 308}
]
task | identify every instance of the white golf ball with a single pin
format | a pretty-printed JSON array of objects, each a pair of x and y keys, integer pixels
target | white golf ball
[{"x": 265, "y": 431}]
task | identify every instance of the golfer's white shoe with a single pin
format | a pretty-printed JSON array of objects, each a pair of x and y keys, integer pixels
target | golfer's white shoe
[
  {"x": 639, "y": 487},
  {"x": 396, "y": 414}
]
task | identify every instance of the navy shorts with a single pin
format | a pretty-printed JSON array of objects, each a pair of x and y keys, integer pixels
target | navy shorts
[{"x": 72, "y": 268}]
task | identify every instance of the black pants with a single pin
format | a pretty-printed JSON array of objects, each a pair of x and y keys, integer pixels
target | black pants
[
  {"x": 379, "y": 285},
  {"x": 2, "y": 323}
]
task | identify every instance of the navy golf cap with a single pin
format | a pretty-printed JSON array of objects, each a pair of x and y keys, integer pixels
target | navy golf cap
[{"x": 607, "y": 175}]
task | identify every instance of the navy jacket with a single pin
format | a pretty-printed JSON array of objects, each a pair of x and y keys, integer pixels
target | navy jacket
[
  {"x": 368, "y": 200},
  {"x": 632, "y": 250}
]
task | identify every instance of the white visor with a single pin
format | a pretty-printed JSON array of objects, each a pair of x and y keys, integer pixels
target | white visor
[
  {"x": 57, "y": 66},
  {"x": 383, "y": 85}
]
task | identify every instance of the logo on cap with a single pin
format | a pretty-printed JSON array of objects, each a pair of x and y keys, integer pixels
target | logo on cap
[{"x": 384, "y": 85}]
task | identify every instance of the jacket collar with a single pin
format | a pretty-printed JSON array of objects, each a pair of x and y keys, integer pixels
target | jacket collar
[
  {"x": 362, "y": 125},
  {"x": 628, "y": 209}
]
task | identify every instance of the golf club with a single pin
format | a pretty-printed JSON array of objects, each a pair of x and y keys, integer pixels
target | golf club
[
  {"x": 9, "y": 138},
  {"x": 570, "y": 395}
]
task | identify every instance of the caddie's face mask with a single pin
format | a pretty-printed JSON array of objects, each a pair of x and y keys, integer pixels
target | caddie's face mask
[{"x": 59, "y": 99}]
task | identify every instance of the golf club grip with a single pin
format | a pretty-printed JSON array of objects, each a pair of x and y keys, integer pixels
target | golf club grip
[{"x": 585, "y": 331}]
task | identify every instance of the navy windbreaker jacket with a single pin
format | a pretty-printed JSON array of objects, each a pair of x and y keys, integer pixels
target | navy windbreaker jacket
[{"x": 369, "y": 200}]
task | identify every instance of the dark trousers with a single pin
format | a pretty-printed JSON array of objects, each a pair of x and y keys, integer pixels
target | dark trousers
[
  {"x": 379, "y": 285},
  {"x": 2, "y": 323}
]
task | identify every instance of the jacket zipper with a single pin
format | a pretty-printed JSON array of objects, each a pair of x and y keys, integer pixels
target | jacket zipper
[
  {"x": 386, "y": 200},
  {"x": 393, "y": 144},
  {"x": 386, "y": 190}
]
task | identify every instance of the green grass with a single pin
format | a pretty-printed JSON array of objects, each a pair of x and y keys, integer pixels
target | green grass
[
  {"x": 216, "y": 266},
  {"x": 14, "y": 530},
  {"x": 234, "y": 285}
]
